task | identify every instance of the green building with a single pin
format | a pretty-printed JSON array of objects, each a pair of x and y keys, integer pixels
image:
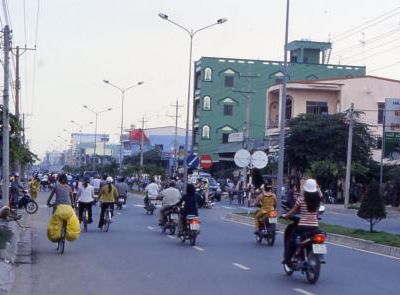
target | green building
[{"x": 222, "y": 86}]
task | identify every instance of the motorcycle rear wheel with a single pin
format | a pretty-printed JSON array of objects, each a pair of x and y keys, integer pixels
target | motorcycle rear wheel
[
  {"x": 313, "y": 268},
  {"x": 289, "y": 271},
  {"x": 31, "y": 207},
  {"x": 193, "y": 239},
  {"x": 271, "y": 238}
]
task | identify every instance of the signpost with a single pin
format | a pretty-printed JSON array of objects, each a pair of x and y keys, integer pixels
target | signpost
[
  {"x": 205, "y": 162},
  {"x": 235, "y": 137},
  {"x": 193, "y": 161}
]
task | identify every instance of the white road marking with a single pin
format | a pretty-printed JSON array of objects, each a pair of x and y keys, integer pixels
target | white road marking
[
  {"x": 301, "y": 291},
  {"x": 118, "y": 213},
  {"x": 240, "y": 266},
  {"x": 150, "y": 228},
  {"x": 42, "y": 206},
  {"x": 229, "y": 208},
  {"x": 139, "y": 206},
  {"x": 338, "y": 245},
  {"x": 198, "y": 248},
  {"x": 171, "y": 237}
]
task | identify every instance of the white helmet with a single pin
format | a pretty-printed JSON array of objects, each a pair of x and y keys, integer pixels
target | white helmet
[
  {"x": 109, "y": 179},
  {"x": 310, "y": 186}
]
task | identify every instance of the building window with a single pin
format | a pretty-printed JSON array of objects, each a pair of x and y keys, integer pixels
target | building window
[
  {"x": 317, "y": 107},
  {"x": 289, "y": 107},
  {"x": 206, "y": 103},
  {"x": 228, "y": 110},
  {"x": 207, "y": 74},
  {"x": 225, "y": 137},
  {"x": 229, "y": 80},
  {"x": 381, "y": 109},
  {"x": 205, "y": 134},
  {"x": 379, "y": 142}
]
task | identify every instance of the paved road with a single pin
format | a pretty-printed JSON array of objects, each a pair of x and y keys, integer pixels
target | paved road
[
  {"x": 135, "y": 258},
  {"x": 334, "y": 214}
]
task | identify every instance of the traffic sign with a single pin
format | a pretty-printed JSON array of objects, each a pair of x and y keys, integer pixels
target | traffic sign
[
  {"x": 242, "y": 158},
  {"x": 205, "y": 161},
  {"x": 259, "y": 159},
  {"x": 193, "y": 161}
]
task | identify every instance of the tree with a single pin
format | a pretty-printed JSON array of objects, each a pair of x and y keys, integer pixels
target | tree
[
  {"x": 314, "y": 138},
  {"x": 372, "y": 206},
  {"x": 325, "y": 172}
]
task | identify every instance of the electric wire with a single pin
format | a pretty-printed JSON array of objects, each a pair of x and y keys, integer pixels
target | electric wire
[
  {"x": 34, "y": 58},
  {"x": 372, "y": 22}
]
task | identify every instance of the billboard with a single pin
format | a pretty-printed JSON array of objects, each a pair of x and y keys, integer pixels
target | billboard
[{"x": 392, "y": 128}]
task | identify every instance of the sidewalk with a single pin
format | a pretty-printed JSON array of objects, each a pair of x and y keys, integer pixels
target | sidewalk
[{"x": 337, "y": 214}]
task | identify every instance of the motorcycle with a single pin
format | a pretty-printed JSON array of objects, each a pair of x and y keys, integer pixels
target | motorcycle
[
  {"x": 329, "y": 197},
  {"x": 120, "y": 201},
  {"x": 309, "y": 250},
  {"x": 267, "y": 228},
  {"x": 27, "y": 203},
  {"x": 172, "y": 219},
  {"x": 203, "y": 203},
  {"x": 191, "y": 229},
  {"x": 151, "y": 207}
]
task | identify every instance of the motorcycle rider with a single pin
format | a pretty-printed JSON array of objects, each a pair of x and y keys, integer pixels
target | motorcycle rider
[
  {"x": 190, "y": 200},
  {"x": 152, "y": 190},
  {"x": 308, "y": 204},
  {"x": 14, "y": 189},
  {"x": 122, "y": 188},
  {"x": 267, "y": 201},
  {"x": 170, "y": 197}
]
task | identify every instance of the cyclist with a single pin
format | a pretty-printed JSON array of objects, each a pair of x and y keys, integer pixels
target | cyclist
[
  {"x": 107, "y": 196},
  {"x": 62, "y": 191},
  {"x": 86, "y": 198}
]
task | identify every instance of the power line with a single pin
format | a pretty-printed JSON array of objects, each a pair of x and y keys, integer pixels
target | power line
[
  {"x": 384, "y": 67},
  {"x": 378, "y": 53},
  {"x": 25, "y": 20},
  {"x": 34, "y": 56},
  {"x": 367, "y": 24}
]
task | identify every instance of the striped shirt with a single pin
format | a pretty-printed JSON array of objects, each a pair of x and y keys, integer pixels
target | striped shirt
[{"x": 307, "y": 218}]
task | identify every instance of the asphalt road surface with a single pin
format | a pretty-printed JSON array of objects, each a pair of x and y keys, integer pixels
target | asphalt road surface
[{"x": 135, "y": 258}]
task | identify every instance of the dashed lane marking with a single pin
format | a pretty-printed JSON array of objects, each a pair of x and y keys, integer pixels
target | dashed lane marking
[
  {"x": 229, "y": 208},
  {"x": 118, "y": 213},
  {"x": 241, "y": 266},
  {"x": 301, "y": 291},
  {"x": 171, "y": 237},
  {"x": 139, "y": 206},
  {"x": 150, "y": 228},
  {"x": 198, "y": 248}
]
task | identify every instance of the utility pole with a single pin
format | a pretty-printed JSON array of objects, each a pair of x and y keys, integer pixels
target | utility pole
[
  {"x": 349, "y": 149},
  {"x": 6, "y": 115},
  {"x": 246, "y": 140},
  {"x": 18, "y": 54},
  {"x": 176, "y": 116},
  {"x": 142, "y": 142},
  {"x": 382, "y": 152}
]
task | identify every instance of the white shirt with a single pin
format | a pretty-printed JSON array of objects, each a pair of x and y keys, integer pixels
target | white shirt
[
  {"x": 96, "y": 183},
  {"x": 86, "y": 195},
  {"x": 152, "y": 190},
  {"x": 170, "y": 196}
]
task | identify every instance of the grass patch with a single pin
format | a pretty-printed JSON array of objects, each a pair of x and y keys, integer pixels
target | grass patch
[
  {"x": 5, "y": 236},
  {"x": 378, "y": 237}
]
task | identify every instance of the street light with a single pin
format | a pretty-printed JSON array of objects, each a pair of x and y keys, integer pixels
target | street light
[
  {"x": 122, "y": 90},
  {"x": 97, "y": 113},
  {"x": 191, "y": 33}
]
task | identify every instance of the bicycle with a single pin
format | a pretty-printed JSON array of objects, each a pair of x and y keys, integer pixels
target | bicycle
[
  {"x": 61, "y": 241},
  {"x": 107, "y": 219},
  {"x": 85, "y": 218}
]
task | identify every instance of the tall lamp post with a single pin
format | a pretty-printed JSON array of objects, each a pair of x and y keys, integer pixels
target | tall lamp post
[
  {"x": 80, "y": 137},
  {"x": 283, "y": 111},
  {"x": 97, "y": 113},
  {"x": 191, "y": 34},
  {"x": 122, "y": 90}
]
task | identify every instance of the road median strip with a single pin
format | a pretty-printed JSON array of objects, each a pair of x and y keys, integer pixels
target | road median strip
[{"x": 379, "y": 243}]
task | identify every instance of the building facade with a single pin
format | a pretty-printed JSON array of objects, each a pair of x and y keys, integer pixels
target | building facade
[
  {"x": 227, "y": 90},
  {"x": 332, "y": 96}
]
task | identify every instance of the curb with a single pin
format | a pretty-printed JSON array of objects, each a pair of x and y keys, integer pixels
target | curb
[
  {"x": 350, "y": 242},
  {"x": 17, "y": 251}
]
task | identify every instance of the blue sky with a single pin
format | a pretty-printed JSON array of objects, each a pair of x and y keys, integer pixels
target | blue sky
[{"x": 82, "y": 42}]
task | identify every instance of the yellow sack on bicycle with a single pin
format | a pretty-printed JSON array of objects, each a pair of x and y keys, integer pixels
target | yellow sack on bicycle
[
  {"x": 54, "y": 228},
  {"x": 73, "y": 228}
]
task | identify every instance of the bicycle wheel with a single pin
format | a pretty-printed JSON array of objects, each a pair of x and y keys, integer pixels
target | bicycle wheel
[
  {"x": 84, "y": 220},
  {"x": 61, "y": 242},
  {"x": 107, "y": 221}
]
